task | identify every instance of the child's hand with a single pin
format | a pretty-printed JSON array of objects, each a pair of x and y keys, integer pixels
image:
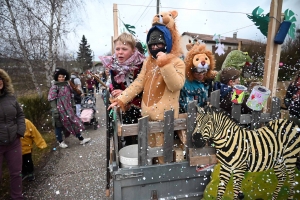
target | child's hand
[
  {"x": 296, "y": 96},
  {"x": 116, "y": 93},
  {"x": 113, "y": 105}
]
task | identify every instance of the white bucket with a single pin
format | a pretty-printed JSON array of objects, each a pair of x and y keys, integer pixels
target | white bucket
[
  {"x": 129, "y": 156},
  {"x": 258, "y": 98}
]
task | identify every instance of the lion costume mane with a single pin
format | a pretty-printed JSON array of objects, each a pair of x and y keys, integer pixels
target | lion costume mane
[{"x": 197, "y": 49}]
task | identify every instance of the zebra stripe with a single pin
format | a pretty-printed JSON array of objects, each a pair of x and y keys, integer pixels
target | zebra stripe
[{"x": 274, "y": 146}]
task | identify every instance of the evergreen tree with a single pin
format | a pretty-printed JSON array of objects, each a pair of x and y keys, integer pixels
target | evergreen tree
[{"x": 84, "y": 55}]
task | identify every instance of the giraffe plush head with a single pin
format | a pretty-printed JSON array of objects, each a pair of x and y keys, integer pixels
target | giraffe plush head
[{"x": 166, "y": 18}]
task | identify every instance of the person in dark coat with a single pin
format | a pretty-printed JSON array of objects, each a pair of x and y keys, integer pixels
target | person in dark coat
[
  {"x": 83, "y": 83},
  {"x": 64, "y": 117},
  {"x": 228, "y": 78},
  {"x": 90, "y": 82},
  {"x": 77, "y": 96},
  {"x": 292, "y": 99},
  {"x": 12, "y": 128}
]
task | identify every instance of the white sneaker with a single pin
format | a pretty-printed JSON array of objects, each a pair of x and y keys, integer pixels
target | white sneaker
[
  {"x": 63, "y": 145},
  {"x": 86, "y": 140}
]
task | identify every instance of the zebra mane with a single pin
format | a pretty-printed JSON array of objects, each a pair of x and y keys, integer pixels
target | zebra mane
[{"x": 211, "y": 109}]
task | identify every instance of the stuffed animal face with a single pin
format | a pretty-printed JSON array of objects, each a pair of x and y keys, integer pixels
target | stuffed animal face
[
  {"x": 237, "y": 59},
  {"x": 201, "y": 63},
  {"x": 165, "y": 18},
  {"x": 199, "y": 59},
  {"x": 191, "y": 44}
]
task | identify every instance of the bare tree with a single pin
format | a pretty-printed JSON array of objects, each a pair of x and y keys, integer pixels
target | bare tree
[
  {"x": 33, "y": 31},
  {"x": 21, "y": 44}
]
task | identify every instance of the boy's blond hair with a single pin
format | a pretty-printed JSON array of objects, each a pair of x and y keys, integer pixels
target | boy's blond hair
[{"x": 127, "y": 39}]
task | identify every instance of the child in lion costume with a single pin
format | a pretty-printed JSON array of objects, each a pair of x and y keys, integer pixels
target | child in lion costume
[
  {"x": 162, "y": 75},
  {"x": 200, "y": 65}
]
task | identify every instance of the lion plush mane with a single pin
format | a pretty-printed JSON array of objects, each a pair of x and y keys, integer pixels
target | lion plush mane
[{"x": 195, "y": 50}]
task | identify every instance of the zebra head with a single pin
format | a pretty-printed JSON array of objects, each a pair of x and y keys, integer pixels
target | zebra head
[{"x": 203, "y": 129}]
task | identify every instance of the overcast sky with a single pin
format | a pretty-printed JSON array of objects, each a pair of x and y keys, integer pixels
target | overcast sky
[{"x": 196, "y": 16}]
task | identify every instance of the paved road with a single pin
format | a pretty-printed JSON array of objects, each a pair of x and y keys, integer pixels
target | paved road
[{"x": 77, "y": 172}]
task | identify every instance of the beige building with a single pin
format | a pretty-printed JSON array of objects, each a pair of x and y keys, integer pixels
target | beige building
[{"x": 230, "y": 43}]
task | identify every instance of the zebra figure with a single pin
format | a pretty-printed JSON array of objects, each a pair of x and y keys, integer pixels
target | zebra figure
[{"x": 275, "y": 145}]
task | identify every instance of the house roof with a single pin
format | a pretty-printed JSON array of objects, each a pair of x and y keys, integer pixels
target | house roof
[
  {"x": 97, "y": 63},
  {"x": 209, "y": 38}
]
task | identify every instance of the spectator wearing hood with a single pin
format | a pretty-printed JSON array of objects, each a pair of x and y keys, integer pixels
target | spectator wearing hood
[{"x": 12, "y": 128}]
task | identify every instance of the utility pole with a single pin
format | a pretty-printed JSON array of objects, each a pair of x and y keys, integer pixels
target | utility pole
[
  {"x": 271, "y": 64},
  {"x": 116, "y": 27},
  {"x": 115, "y": 11},
  {"x": 157, "y": 7}
]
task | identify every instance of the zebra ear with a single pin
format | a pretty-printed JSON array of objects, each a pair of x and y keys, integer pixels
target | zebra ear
[
  {"x": 207, "y": 109},
  {"x": 215, "y": 109},
  {"x": 200, "y": 110}
]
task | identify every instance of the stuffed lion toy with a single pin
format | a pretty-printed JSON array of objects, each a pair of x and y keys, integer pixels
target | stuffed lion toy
[{"x": 199, "y": 57}]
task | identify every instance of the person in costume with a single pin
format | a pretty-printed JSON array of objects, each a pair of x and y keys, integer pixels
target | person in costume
[
  {"x": 162, "y": 75},
  {"x": 64, "y": 118},
  {"x": 200, "y": 64}
]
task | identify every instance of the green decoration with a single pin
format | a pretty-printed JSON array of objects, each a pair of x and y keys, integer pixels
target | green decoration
[
  {"x": 129, "y": 27},
  {"x": 237, "y": 59},
  {"x": 260, "y": 20},
  {"x": 290, "y": 16},
  {"x": 145, "y": 47},
  {"x": 256, "y": 185}
]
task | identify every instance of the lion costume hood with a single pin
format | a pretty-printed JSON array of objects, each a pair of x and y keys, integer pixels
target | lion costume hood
[{"x": 205, "y": 58}]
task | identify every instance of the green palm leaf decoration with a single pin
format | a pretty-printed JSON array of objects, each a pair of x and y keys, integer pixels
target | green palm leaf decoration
[
  {"x": 290, "y": 16},
  {"x": 260, "y": 20},
  {"x": 129, "y": 27},
  {"x": 145, "y": 47}
]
